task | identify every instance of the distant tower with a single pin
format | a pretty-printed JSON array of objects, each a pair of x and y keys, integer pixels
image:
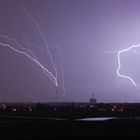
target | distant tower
[
  {"x": 92, "y": 100},
  {"x": 57, "y": 95}
]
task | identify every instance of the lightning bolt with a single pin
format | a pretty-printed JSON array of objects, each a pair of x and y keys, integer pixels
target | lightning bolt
[
  {"x": 42, "y": 35},
  {"x": 44, "y": 39},
  {"x": 45, "y": 70},
  {"x": 61, "y": 64},
  {"x": 62, "y": 70},
  {"x": 30, "y": 55},
  {"x": 47, "y": 49},
  {"x": 119, "y": 62},
  {"x": 13, "y": 44}
]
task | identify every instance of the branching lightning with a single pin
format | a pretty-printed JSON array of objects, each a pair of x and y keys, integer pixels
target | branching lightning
[
  {"x": 15, "y": 46},
  {"x": 46, "y": 71},
  {"x": 119, "y": 62},
  {"x": 62, "y": 70},
  {"x": 42, "y": 35},
  {"x": 61, "y": 64},
  {"x": 49, "y": 52},
  {"x": 30, "y": 55}
]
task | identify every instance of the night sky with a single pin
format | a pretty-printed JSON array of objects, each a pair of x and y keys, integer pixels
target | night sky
[{"x": 87, "y": 32}]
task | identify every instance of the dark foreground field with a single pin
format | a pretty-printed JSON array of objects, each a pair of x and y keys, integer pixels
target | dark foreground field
[{"x": 27, "y": 128}]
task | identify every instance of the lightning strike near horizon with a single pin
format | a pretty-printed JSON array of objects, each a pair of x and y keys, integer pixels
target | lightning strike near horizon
[
  {"x": 62, "y": 70},
  {"x": 42, "y": 35},
  {"x": 29, "y": 54},
  {"x": 59, "y": 51},
  {"x": 13, "y": 44},
  {"x": 119, "y": 62}
]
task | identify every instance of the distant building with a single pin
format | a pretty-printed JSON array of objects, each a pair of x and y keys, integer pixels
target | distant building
[{"x": 92, "y": 100}]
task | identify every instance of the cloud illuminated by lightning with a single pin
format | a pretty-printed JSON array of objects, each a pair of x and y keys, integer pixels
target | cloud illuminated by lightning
[{"x": 119, "y": 62}]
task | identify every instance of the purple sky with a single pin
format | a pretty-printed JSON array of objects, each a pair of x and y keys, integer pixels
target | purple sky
[{"x": 84, "y": 30}]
